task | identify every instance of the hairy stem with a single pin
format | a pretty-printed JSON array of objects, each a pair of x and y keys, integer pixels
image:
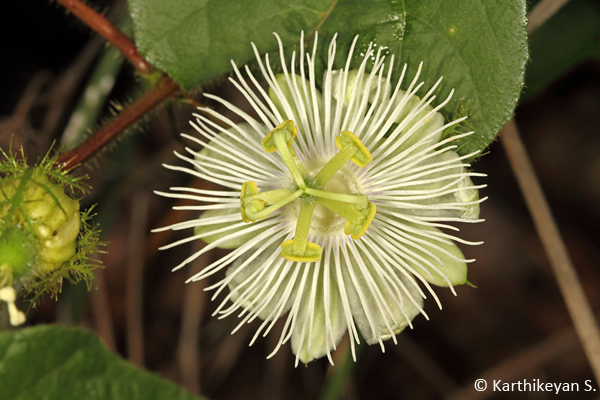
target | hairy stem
[
  {"x": 163, "y": 89},
  {"x": 103, "y": 27}
]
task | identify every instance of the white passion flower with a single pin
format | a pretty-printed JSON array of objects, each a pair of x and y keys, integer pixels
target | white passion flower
[{"x": 332, "y": 202}]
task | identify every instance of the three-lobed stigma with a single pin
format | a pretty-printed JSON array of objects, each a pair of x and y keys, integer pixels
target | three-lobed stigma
[{"x": 355, "y": 208}]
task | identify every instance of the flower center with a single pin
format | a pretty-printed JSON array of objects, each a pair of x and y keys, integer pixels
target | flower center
[
  {"x": 324, "y": 221},
  {"x": 327, "y": 191}
]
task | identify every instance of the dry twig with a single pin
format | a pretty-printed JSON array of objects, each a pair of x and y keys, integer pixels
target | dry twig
[
  {"x": 518, "y": 366},
  {"x": 102, "y": 314},
  {"x": 194, "y": 305},
  {"x": 135, "y": 278},
  {"x": 570, "y": 287},
  {"x": 425, "y": 366},
  {"x": 542, "y": 12}
]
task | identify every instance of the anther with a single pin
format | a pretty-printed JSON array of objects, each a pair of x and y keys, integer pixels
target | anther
[
  {"x": 251, "y": 213},
  {"x": 299, "y": 248},
  {"x": 287, "y": 128},
  {"x": 351, "y": 149},
  {"x": 356, "y": 230},
  {"x": 281, "y": 139},
  {"x": 252, "y": 206},
  {"x": 312, "y": 252},
  {"x": 268, "y": 197},
  {"x": 355, "y": 208}
]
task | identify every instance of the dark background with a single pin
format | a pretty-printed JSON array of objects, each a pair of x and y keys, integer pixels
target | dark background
[{"x": 513, "y": 326}]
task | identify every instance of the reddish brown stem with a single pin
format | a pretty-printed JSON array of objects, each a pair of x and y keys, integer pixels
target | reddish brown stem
[
  {"x": 109, "y": 32},
  {"x": 165, "y": 88}
]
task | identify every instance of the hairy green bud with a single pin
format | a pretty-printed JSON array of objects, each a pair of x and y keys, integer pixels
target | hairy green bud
[{"x": 43, "y": 236}]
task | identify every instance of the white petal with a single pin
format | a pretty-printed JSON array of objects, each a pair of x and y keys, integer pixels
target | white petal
[
  {"x": 216, "y": 225},
  {"x": 264, "y": 280},
  {"x": 288, "y": 97},
  {"x": 466, "y": 195},
  {"x": 314, "y": 335},
  {"x": 442, "y": 185},
  {"x": 381, "y": 308},
  {"x": 430, "y": 124},
  {"x": 449, "y": 264},
  {"x": 337, "y": 81},
  {"x": 427, "y": 123},
  {"x": 450, "y": 267},
  {"x": 234, "y": 151}
]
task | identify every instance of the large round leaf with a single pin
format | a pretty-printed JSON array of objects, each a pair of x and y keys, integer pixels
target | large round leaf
[
  {"x": 60, "y": 363},
  {"x": 479, "y": 46},
  {"x": 194, "y": 40}
]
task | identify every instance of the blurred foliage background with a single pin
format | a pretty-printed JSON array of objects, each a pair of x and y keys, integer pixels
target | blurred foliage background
[{"x": 513, "y": 326}]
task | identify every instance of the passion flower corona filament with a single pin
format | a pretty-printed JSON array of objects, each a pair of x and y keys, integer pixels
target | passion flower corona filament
[{"x": 332, "y": 201}]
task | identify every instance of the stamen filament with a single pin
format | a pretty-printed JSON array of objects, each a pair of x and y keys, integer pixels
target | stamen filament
[
  {"x": 268, "y": 210},
  {"x": 360, "y": 200},
  {"x": 302, "y": 229},
  {"x": 269, "y": 197},
  {"x": 280, "y": 141},
  {"x": 345, "y": 210},
  {"x": 355, "y": 208},
  {"x": 297, "y": 162},
  {"x": 335, "y": 163}
]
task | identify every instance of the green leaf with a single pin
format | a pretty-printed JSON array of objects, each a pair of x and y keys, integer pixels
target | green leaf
[
  {"x": 194, "y": 40},
  {"x": 54, "y": 362},
  {"x": 479, "y": 46},
  {"x": 567, "y": 39}
]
